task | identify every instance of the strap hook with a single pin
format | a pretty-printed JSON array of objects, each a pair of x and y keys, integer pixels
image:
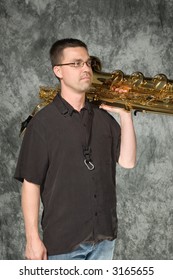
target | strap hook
[{"x": 89, "y": 164}]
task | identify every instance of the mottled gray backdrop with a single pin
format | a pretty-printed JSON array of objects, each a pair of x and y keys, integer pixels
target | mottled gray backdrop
[{"x": 131, "y": 35}]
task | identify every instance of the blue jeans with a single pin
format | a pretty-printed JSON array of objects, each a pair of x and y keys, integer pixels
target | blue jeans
[{"x": 89, "y": 251}]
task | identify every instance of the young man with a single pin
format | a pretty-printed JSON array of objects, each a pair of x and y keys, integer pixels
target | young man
[{"x": 68, "y": 158}]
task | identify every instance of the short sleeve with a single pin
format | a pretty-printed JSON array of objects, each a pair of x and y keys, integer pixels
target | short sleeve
[{"x": 32, "y": 162}]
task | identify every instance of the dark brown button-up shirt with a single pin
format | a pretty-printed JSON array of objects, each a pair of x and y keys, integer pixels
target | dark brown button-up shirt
[{"x": 79, "y": 204}]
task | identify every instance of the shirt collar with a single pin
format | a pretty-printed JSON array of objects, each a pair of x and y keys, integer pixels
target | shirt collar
[{"x": 65, "y": 108}]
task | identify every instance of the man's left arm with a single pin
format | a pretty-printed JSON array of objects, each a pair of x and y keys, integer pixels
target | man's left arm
[{"x": 127, "y": 158}]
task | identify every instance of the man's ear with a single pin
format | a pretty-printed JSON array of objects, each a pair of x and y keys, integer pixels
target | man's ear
[{"x": 57, "y": 71}]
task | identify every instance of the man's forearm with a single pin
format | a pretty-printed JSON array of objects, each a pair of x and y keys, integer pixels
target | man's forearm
[
  {"x": 30, "y": 208},
  {"x": 127, "y": 157},
  {"x": 35, "y": 249}
]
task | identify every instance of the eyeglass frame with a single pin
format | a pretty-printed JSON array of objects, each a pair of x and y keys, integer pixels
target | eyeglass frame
[{"x": 77, "y": 63}]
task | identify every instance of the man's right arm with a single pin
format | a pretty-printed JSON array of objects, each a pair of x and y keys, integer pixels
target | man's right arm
[{"x": 35, "y": 249}]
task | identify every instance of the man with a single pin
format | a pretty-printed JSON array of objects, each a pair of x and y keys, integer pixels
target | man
[{"x": 68, "y": 157}]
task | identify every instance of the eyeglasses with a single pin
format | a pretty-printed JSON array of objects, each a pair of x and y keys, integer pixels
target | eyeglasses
[{"x": 77, "y": 64}]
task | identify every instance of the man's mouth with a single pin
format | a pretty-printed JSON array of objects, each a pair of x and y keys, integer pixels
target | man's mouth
[{"x": 86, "y": 77}]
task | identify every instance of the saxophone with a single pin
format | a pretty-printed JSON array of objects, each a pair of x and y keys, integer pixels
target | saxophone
[
  {"x": 131, "y": 92},
  {"x": 141, "y": 93}
]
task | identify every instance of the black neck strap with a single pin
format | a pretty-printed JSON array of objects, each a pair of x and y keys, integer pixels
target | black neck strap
[
  {"x": 66, "y": 109},
  {"x": 86, "y": 148}
]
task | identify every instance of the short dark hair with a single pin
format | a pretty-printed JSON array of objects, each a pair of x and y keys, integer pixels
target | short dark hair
[{"x": 56, "y": 51}]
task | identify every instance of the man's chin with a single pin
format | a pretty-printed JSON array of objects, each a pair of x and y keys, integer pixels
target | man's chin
[{"x": 86, "y": 86}]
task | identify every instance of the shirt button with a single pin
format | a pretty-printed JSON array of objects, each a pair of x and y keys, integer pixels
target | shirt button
[
  {"x": 95, "y": 196},
  {"x": 96, "y": 213}
]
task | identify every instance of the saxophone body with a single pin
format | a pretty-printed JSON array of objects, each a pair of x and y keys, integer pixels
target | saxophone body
[
  {"x": 131, "y": 92},
  {"x": 140, "y": 93}
]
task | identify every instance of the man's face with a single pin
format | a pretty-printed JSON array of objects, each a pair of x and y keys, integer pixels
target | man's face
[{"x": 76, "y": 79}]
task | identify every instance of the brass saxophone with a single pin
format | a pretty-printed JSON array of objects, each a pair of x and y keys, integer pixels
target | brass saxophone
[
  {"x": 131, "y": 92},
  {"x": 142, "y": 93}
]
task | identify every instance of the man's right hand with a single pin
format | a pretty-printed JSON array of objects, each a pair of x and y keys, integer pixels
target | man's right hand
[{"x": 35, "y": 250}]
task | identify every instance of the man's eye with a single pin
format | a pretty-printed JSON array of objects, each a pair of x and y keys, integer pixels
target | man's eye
[{"x": 77, "y": 63}]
